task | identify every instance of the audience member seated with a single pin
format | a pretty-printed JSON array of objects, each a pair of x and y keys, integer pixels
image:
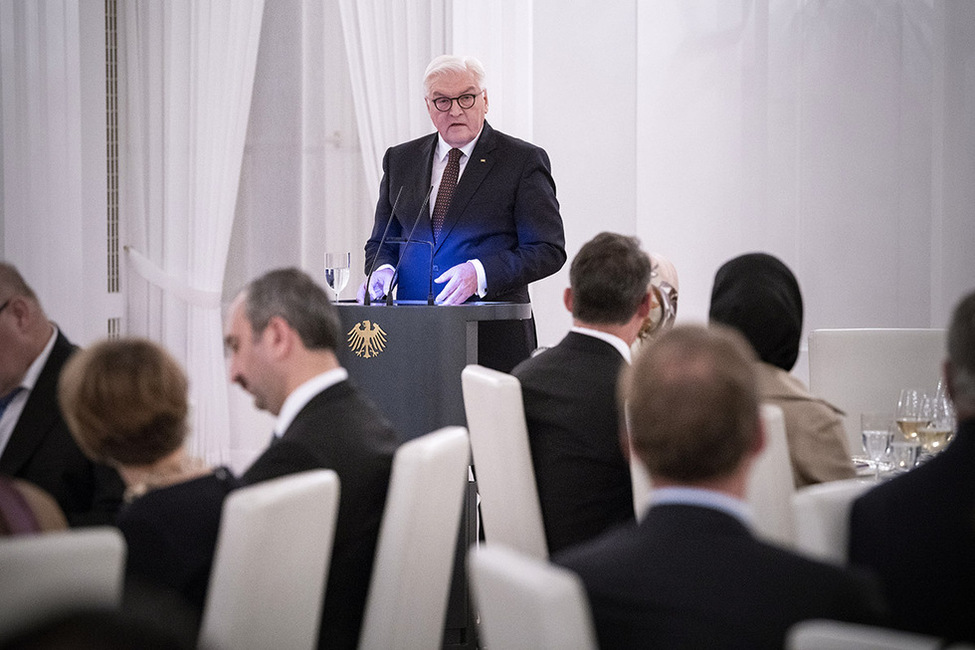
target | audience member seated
[
  {"x": 35, "y": 444},
  {"x": 126, "y": 404},
  {"x": 917, "y": 530},
  {"x": 25, "y": 508},
  {"x": 569, "y": 393},
  {"x": 281, "y": 337},
  {"x": 691, "y": 574},
  {"x": 759, "y": 296}
]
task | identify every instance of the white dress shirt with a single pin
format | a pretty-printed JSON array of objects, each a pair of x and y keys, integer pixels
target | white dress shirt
[{"x": 300, "y": 396}]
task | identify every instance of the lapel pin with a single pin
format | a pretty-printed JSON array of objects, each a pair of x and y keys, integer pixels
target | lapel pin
[{"x": 482, "y": 160}]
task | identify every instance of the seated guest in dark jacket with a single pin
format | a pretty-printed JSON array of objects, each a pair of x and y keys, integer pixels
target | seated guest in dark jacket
[
  {"x": 35, "y": 444},
  {"x": 125, "y": 402},
  {"x": 569, "y": 393},
  {"x": 917, "y": 531},
  {"x": 759, "y": 296},
  {"x": 691, "y": 574},
  {"x": 281, "y": 336}
]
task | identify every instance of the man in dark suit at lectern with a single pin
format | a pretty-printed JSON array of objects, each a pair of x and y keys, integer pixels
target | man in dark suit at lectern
[
  {"x": 691, "y": 574},
  {"x": 486, "y": 205},
  {"x": 281, "y": 337},
  {"x": 569, "y": 393}
]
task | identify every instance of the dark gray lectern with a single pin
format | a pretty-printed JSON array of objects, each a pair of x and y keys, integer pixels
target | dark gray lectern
[{"x": 407, "y": 357}]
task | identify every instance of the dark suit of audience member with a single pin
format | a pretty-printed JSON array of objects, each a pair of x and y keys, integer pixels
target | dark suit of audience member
[
  {"x": 126, "y": 402},
  {"x": 917, "y": 531},
  {"x": 281, "y": 336},
  {"x": 40, "y": 448},
  {"x": 759, "y": 296},
  {"x": 691, "y": 574},
  {"x": 503, "y": 213},
  {"x": 569, "y": 394}
]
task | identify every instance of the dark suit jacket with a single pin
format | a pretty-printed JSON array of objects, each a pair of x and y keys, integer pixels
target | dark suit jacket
[
  {"x": 340, "y": 430},
  {"x": 569, "y": 393},
  {"x": 42, "y": 451},
  {"x": 694, "y": 577},
  {"x": 917, "y": 531},
  {"x": 503, "y": 213}
]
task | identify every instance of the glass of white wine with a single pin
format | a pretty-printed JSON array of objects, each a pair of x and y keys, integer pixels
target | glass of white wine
[
  {"x": 877, "y": 433},
  {"x": 938, "y": 422},
  {"x": 909, "y": 418},
  {"x": 337, "y": 271}
]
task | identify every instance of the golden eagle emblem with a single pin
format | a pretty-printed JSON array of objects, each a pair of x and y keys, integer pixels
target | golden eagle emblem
[{"x": 366, "y": 339}]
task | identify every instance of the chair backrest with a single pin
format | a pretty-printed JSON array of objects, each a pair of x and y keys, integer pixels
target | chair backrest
[
  {"x": 271, "y": 563},
  {"x": 822, "y": 513},
  {"x": 820, "y": 634},
  {"x": 407, "y": 601},
  {"x": 525, "y": 603},
  {"x": 502, "y": 460},
  {"x": 770, "y": 485},
  {"x": 44, "y": 574},
  {"x": 864, "y": 370}
]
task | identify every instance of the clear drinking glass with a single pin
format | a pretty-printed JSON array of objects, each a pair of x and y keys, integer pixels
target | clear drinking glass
[
  {"x": 877, "y": 433},
  {"x": 337, "y": 271},
  {"x": 903, "y": 454},
  {"x": 909, "y": 417},
  {"x": 938, "y": 422}
]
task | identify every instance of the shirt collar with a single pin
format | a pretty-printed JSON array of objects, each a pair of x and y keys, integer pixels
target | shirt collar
[
  {"x": 615, "y": 341},
  {"x": 704, "y": 498},
  {"x": 300, "y": 396},
  {"x": 443, "y": 148}
]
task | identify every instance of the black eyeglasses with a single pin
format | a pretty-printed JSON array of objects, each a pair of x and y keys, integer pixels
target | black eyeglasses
[{"x": 465, "y": 101}]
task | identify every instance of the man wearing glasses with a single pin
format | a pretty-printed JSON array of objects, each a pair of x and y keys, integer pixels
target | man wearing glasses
[{"x": 486, "y": 203}]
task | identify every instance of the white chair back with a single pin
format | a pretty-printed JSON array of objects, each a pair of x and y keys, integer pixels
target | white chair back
[
  {"x": 271, "y": 563},
  {"x": 502, "y": 460},
  {"x": 864, "y": 370},
  {"x": 407, "y": 601},
  {"x": 822, "y": 515},
  {"x": 525, "y": 603},
  {"x": 819, "y": 634},
  {"x": 770, "y": 485},
  {"x": 44, "y": 574}
]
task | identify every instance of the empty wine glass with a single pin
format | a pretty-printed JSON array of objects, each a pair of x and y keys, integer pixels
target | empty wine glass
[
  {"x": 877, "y": 434},
  {"x": 909, "y": 418},
  {"x": 337, "y": 271}
]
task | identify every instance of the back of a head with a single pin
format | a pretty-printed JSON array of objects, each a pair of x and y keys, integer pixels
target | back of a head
[
  {"x": 125, "y": 401},
  {"x": 291, "y": 294},
  {"x": 692, "y": 404},
  {"x": 451, "y": 63},
  {"x": 758, "y": 295},
  {"x": 13, "y": 283},
  {"x": 609, "y": 276},
  {"x": 26, "y": 508},
  {"x": 961, "y": 356}
]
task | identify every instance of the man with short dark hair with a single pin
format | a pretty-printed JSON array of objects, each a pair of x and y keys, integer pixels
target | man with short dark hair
[
  {"x": 281, "y": 339},
  {"x": 569, "y": 393},
  {"x": 35, "y": 443},
  {"x": 917, "y": 531},
  {"x": 691, "y": 574}
]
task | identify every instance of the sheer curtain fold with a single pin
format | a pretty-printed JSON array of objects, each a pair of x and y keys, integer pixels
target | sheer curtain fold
[{"x": 189, "y": 74}]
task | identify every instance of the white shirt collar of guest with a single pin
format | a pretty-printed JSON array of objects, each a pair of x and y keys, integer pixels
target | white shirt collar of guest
[
  {"x": 443, "y": 148},
  {"x": 12, "y": 414},
  {"x": 300, "y": 396},
  {"x": 705, "y": 498},
  {"x": 615, "y": 341}
]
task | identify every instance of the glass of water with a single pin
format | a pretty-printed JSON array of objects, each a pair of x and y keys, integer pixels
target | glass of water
[
  {"x": 337, "y": 271},
  {"x": 877, "y": 433}
]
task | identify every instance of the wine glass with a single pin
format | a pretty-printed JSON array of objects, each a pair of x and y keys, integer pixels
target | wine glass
[
  {"x": 938, "y": 422},
  {"x": 909, "y": 418},
  {"x": 877, "y": 434},
  {"x": 337, "y": 271}
]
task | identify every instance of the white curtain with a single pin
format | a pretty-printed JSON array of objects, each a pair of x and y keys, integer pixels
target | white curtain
[
  {"x": 189, "y": 71},
  {"x": 389, "y": 44}
]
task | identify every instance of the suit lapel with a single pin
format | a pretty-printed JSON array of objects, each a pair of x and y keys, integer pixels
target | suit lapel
[
  {"x": 480, "y": 164},
  {"x": 418, "y": 185}
]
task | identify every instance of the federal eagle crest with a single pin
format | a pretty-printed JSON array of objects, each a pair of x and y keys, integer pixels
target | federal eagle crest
[{"x": 366, "y": 339}]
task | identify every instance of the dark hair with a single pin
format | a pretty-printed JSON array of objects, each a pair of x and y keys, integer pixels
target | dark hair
[
  {"x": 693, "y": 403},
  {"x": 610, "y": 277},
  {"x": 961, "y": 353},
  {"x": 291, "y": 294}
]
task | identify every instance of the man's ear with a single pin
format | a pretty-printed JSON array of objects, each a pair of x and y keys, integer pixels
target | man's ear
[
  {"x": 567, "y": 298},
  {"x": 278, "y": 336}
]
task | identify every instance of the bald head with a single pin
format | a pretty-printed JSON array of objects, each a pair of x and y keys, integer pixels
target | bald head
[{"x": 24, "y": 328}]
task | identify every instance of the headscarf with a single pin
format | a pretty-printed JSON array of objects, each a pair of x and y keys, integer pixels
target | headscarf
[{"x": 759, "y": 296}]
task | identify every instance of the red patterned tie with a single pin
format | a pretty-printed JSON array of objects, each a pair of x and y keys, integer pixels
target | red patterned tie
[{"x": 448, "y": 183}]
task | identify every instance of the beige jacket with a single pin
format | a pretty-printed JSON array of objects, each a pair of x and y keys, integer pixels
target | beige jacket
[{"x": 814, "y": 428}]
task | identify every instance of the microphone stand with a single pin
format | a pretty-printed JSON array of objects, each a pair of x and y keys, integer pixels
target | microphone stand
[
  {"x": 406, "y": 242},
  {"x": 367, "y": 299}
]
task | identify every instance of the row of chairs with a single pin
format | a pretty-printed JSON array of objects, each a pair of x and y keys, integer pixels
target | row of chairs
[{"x": 272, "y": 557}]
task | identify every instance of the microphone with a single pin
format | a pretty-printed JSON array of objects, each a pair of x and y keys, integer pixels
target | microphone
[
  {"x": 366, "y": 299},
  {"x": 406, "y": 243}
]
